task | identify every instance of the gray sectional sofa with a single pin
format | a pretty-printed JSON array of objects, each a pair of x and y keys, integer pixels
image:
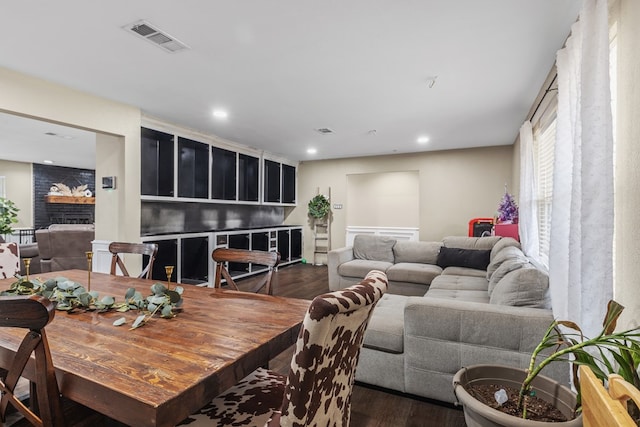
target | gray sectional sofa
[{"x": 454, "y": 303}]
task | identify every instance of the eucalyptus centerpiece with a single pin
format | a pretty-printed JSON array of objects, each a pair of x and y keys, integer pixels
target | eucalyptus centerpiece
[{"x": 72, "y": 297}]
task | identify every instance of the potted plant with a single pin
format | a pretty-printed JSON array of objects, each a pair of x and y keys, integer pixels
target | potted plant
[
  {"x": 8, "y": 216},
  {"x": 611, "y": 352}
]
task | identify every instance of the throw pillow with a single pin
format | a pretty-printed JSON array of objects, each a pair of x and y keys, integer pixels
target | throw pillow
[
  {"x": 526, "y": 287},
  {"x": 458, "y": 257},
  {"x": 374, "y": 248},
  {"x": 419, "y": 252}
]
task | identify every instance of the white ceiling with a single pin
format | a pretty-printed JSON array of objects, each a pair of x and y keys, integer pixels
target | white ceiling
[{"x": 284, "y": 68}]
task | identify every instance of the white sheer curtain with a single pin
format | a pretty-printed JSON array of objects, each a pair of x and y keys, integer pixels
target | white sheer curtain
[
  {"x": 580, "y": 259},
  {"x": 528, "y": 221}
]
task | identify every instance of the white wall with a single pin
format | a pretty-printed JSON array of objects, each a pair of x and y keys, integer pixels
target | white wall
[{"x": 118, "y": 126}]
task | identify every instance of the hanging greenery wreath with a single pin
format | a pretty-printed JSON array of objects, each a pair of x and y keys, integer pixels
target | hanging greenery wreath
[{"x": 319, "y": 206}]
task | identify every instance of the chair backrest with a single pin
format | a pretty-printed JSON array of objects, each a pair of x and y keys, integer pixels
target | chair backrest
[
  {"x": 9, "y": 260},
  {"x": 224, "y": 255},
  {"x": 31, "y": 312},
  {"x": 320, "y": 381},
  {"x": 117, "y": 248}
]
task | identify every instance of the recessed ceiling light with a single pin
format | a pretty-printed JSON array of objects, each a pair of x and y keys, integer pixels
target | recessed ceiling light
[
  {"x": 220, "y": 114},
  {"x": 423, "y": 140},
  {"x": 311, "y": 151},
  {"x": 48, "y": 162}
]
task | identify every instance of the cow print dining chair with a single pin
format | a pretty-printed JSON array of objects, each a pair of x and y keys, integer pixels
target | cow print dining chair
[
  {"x": 317, "y": 391},
  {"x": 9, "y": 260}
]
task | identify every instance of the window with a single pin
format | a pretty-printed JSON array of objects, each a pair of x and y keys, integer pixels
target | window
[{"x": 544, "y": 136}]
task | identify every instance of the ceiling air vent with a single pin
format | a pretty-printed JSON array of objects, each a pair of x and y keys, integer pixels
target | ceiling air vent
[
  {"x": 156, "y": 36},
  {"x": 324, "y": 131}
]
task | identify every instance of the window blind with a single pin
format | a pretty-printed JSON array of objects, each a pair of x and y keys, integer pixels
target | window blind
[{"x": 544, "y": 136}]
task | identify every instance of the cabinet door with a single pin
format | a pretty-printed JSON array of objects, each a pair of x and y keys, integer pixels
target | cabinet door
[
  {"x": 288, "y": 184},
  {"x": 223, "y": 174},
  {"x": 156, "y": 168},
  {"x": 284, "y": 245},
  {"x": 260, "y": 241},
  {"x": 296, "y": 244},
  {"x": 248, "y": 178},
  {"x": 193, "y": 169},
  {"x": 167, "y": 255},
  {"x": 195, "y": 260},
  {"x": 238, "y": 241},
  {"x": 271, "y": 181}
]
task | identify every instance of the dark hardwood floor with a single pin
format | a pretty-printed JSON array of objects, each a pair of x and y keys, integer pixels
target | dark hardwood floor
[{"x": 371, "y": 407}]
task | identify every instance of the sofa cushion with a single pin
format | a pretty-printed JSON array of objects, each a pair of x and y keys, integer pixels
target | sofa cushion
[
  {"x": 467, "y": 283},
  {"x": 459, "y": 257},
  {"x": 361, "y": 267},
  {"x": 508, "y": 252},
  {"x": 413, "y": 272},
  {"x": 470, "y": 242},
  {"x": 505, "y": 268},
  {"x": 464, "y": 271},
  {"x": 504, "y": 243},
  {"x": 385, "y": 331},
  {"x": 459, "y": 294},
  {"x": 375, "y": 248},
  {"x": 411, "y": 251},
  {"x": 525, "y": 287}
]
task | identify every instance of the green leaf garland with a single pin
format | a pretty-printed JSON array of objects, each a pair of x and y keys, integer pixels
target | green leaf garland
[{"x": 71, "y": 296}]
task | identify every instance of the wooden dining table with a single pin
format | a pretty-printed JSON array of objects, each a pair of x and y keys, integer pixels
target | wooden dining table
[{"x": 158, "y": 374}]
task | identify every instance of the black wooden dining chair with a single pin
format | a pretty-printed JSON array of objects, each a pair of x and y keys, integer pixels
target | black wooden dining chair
[
  {"x": 223, "y": 256},
  {"x": 46, "y": 407},
  {"x": 118, "y": 248},
  {"x": 317, "y": 391}
]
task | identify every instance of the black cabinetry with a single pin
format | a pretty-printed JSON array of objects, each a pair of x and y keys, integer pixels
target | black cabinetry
[
  {"x": 271, "y": 181},
  {"x": 156, "y": 169},
  {"x": 193, "y": 169},
  {"x": 223, "y": 174},
  {"x": 182, "y": 168},
  {"x": 248, "y": 167},
  {"x": 167, "y": 255},
  {"x": 279, "y": 182},
  {"x": 195, "y": 260},
  {"x": 288, "y": 184}
]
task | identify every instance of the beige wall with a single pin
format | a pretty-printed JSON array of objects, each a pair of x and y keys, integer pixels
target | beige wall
[
  {"x": 119, "y": 129},
  {"x": 19, "y": 189},
  {"x": 454, "y": 187},
  {"x": 389, "y": 199},
  {"x": 627, "y": 178}
]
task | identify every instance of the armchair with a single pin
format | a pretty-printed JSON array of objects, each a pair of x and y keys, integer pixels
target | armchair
[{"x": 64, "y": 246}]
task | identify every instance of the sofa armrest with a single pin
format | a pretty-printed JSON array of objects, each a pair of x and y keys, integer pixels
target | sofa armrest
[
  {"x": 444, "y": 335},
  {"x": 336, "y": 257}
]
